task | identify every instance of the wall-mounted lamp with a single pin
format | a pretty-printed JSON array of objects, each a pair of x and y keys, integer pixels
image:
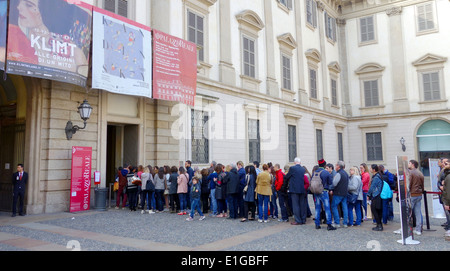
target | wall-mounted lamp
[
  {"x": 85, "y": 111},
  {"x": 402, "y": 141}
]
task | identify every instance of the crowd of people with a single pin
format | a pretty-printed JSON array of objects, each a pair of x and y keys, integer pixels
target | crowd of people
[{"x": 255, "y": 192}]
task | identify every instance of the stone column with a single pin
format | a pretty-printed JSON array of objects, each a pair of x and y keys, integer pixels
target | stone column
[
  {"x": 323, "y": 65},
  {"x": 397, "y": 59},
  {"x": 345, "y": 91},
  {"x": 227, "y": 72},
  {"x": 271, "y": 81}
]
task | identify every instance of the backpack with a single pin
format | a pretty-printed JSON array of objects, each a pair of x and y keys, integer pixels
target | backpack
[
  {"x": 316, "y": 186},
  {"x": 386, "y": 192}
]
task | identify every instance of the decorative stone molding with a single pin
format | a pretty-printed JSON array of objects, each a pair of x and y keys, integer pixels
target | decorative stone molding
[
  {"x": 334, "y": 67},
  {"x": 429, "y": 59},
  {"x": 250, "y": 19},
  {"x": 314, "y": 55},
  {"x": 394, "y": 11},
  {"x": 287, "y": 40},
  {"x": 370, "y": 68}
]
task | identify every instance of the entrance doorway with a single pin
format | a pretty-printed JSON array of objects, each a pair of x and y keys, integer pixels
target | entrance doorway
[
  {"x": 434, "y": 142},
  {"x": 121, "y": 149},
  {"x": 12, "y": 139}
]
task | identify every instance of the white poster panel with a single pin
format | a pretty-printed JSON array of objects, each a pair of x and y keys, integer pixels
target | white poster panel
[
  {"x": 438, "y": 210},
  {"x": 122, "y": 55}
]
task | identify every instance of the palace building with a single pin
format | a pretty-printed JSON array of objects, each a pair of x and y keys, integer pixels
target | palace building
[{"x": 352, "y": 80}]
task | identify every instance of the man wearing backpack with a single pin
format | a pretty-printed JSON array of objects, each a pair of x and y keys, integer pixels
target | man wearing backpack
[{"x": 322, "y": 200}]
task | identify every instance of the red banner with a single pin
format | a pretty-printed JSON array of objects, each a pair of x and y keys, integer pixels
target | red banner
[
  {"x": 80, "y": 185},
  {"x": 174, "y": 68}
]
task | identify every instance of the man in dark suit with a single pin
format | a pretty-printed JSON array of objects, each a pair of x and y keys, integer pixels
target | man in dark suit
[
  {"x": 295, "y": 178},
  {"x": 19, "y": 180}
]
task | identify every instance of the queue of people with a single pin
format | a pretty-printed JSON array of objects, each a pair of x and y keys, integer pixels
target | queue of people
[{"x": 255, "y": 192}]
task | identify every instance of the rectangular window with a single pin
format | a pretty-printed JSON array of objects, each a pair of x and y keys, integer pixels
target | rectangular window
[
  {"x": 119, "y": 7},
  {"x": 431, "y": 86},
  {"x": 425, "y": 17},
  {"x": 249, "y": 57},
  {"x": 334, "y": 98},
  {"x": 367, "y": 29},
  {"x": 292, "y": 140},
  {"x": 319, "y": 144},
  {"x": 286, "y": 3},
  {"x": 371, "y": 95},
  {"x": 340, "y": 147},
  {"x": 374, "y": 147},
  {"x": 330, "y": 24},
  {"x": 313, "y": 83},
  {"x": 311, "y": 13},
  {"x": 286, "y": 72},
  {"x": 196, "y": 32},
  {"x": 199, "y": 137},
  {"x": 254, "y": 141}
]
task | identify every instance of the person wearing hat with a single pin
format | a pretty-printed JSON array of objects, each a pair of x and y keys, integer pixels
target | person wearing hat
[{"x": 323, "y": 199}]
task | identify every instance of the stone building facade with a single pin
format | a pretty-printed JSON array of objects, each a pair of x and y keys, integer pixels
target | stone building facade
[{"x": 277, "y": 79}]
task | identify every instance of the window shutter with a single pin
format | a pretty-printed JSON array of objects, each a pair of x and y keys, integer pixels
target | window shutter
[
  {"x": 110, "y": 5},
  {"x": 122, "y": 8}
]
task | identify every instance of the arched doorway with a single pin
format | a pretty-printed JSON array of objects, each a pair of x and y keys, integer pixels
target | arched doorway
[
  {"x": 433, "y": 139},
  {"x": 12, "y": 134}
]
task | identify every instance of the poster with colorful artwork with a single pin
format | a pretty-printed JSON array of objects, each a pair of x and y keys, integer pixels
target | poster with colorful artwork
[
  {"x": 122, "y": 55},
  {"x": 174, "y": 68},
  {"x": 3, "y": 30},
  {"x": 49, "y": 39}
]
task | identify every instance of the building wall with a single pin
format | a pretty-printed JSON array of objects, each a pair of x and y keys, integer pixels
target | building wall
[{"x": 231, "y": 99}]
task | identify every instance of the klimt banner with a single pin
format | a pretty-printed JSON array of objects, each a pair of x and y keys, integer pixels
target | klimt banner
[
  {"x": 49, "y": 39},
  {"x": 174, "y": 68},
  {"x": 121, "y": 55},
  {"x": 80, "y": 184}
]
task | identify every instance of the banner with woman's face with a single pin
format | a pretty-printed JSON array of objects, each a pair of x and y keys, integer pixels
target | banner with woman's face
[
  {"x": 49, "y": 39},
  {"x": 3, "y": 13}
]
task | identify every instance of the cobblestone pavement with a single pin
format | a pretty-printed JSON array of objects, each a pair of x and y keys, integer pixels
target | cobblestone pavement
[{"x": 122, "y": 230}]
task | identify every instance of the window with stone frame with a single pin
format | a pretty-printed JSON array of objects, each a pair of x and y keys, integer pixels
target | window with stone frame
[
  {"x": 313, "y": 83},
  {"x": 371, "y": 93},
  {"x": 199, "y": 137},
  {"x": 311, "y": 13},
  {"x": 319, "y": 144},
  {"x": 254, "y": 141},
  {"x": 374, "y": 146},
  {"x": 366, "y": 29},
  {"x": 292, "y": 141},
  {"x": 119, "y": 7},
  {"x": 249, "y": 57},
  {"x": 196, "y": 32},
  {"x": 431, "y": 86}
]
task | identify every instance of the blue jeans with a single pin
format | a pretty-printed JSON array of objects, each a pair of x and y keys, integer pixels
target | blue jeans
[
  {"x": 182, "y": 197},
  {"x": 416, "y": 207},
  {"x": 273, "y": 205},
  {"x": 195, "y": 206},
  {"x": 213, "y": 201},
  {"x": 263, "y": 206},
  {"x": 323, "y": 200},
  {"x": 334, "y": 208},
  {"x": 357, "y": 207},
  {"x": 364, "y": 203},
  {"x": 385, "y": 203}
]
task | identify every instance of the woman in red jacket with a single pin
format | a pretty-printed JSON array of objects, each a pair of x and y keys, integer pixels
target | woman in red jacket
[{"x": 365, "y": 178}]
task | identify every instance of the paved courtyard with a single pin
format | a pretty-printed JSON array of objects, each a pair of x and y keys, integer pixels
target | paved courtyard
[{"x": 122, "y": 230}]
